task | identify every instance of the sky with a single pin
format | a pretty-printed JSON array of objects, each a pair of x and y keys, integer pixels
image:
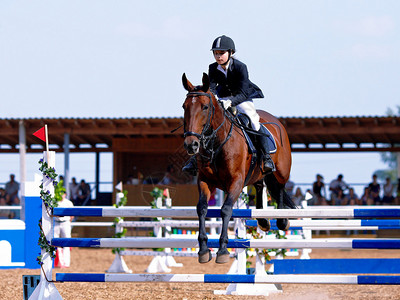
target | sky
[{"x": 118, "y": 59}]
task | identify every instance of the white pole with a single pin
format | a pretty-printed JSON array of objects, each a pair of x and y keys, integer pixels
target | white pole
[{"x": 22, "y": 165}]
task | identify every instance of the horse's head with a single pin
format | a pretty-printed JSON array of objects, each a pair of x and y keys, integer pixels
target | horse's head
[{"x": 199, "y": 110}]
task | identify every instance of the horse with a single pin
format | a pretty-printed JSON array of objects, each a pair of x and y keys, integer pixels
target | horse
[{"x": 224, "y": 161}]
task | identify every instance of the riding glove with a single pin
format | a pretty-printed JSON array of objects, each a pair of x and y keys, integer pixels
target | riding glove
[{"x": 226, "y": 103}]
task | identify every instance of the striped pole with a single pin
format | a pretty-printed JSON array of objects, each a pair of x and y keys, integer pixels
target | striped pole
[
  {"x": 228, "y": 278},
  {"x": 150, "y": 242},
  {"x": 335, "y": 224},
  {"x": 237, "y": 213}
]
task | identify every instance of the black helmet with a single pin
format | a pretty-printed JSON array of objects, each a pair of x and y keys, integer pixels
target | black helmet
[{"x": 223, "y": 42}]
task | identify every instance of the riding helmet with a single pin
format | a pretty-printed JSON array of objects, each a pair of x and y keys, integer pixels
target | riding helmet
[{"x": 223, "y": 42}]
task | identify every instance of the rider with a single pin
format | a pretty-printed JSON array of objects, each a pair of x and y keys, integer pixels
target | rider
[{"x": 229, "y": 81}]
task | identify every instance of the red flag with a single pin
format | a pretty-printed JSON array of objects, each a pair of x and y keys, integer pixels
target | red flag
[
  {"x": 41, "y": 134},
  {"x": 166, "y": 193}
]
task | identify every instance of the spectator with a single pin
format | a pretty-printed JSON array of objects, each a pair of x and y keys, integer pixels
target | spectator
[
  {"x": 169, "y": 177},
  {"x": 84, "y": 193},
  {"x": 337, "y": 188},
  {"x": 319, "y": 191},
  {"x": 366, "y": 198},
  {"x": 352, "y": 197},
  {"x": 289, "y": 187},
  {"x": 74, "y": 190},
  {"x": 388, "y": 189},
  {"x": 12, "y": 188},
  {"x": 298, "y": 197},
  {"x": 62, "y": 229},
  {"x": 4, "y": 213},
  {"x": 397, "y": 200},
  {"x": 132, "y": 180},
  {"x": 374, "y": 189}
]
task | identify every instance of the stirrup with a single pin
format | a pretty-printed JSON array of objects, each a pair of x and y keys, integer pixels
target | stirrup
[
  {"x": 190, "y": 168},
  {"x": 268, "y": 164}
]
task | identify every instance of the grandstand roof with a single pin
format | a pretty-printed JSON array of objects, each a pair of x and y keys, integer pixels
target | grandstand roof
[{"x": 315, "y": 134}]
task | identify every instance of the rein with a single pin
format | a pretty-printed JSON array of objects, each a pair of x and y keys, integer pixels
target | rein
[{"x": 207, "y": 139}]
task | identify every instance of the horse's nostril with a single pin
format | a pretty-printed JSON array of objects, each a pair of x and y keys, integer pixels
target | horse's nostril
[{"x": 195, "y": 145}]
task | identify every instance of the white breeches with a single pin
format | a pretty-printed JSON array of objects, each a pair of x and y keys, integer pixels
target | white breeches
[
  {"x": 63, "y": 230},
  {"x": 249, "y": 109}
]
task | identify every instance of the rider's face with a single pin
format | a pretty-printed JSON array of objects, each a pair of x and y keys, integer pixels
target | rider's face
[{"x": 221, "y": 56}]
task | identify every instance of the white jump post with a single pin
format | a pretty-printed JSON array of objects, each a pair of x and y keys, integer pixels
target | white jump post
[
  {"x": 168, "y": 259},
  {"x": 305, "y": 253},
  {"x": 162, "y": 264},
  {"x": 119, "y": 265},
  {"x": 46, "y": 290}
]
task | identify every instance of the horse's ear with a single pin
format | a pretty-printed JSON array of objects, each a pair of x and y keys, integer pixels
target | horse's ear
[
  {"x": 186, "y": 83},
  {"x": 206, "y": 83}
]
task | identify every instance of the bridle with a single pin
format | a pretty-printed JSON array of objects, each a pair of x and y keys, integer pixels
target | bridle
[{"x": 208, "y": 134}]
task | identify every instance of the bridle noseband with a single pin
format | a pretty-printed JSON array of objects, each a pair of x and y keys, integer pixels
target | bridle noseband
[{"x": 208, "y": 134}]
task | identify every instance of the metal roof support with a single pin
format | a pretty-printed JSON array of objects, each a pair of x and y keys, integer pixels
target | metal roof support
[
  {"x": 97, "y": 175},
  {"x": 22, "y": 164},
  {"x": 66, "y": 164}
]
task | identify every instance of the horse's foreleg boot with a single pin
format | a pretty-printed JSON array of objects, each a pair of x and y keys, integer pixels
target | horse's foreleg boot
[
  {"x": 205, "y": 256},
  {"x": 283, "y": 224},
  {"x": 264, "y": 224}
]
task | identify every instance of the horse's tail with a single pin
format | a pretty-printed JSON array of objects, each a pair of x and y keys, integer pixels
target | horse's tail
[{"x": 275, "y": 188}]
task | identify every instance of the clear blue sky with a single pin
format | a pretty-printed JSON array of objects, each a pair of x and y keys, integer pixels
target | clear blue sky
[{"x": 126, "y": 59}]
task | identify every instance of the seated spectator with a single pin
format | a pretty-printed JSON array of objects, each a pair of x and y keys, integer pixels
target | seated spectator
[
  {"x": 337, "y": 188},
  {"x": 169, "y": 177},
  {"x": 366, "y": 198},
  {"x": 397, "y": 199},
  {"x": 352, "y": 198},
  {"x": 4, "y": 213},
  {"x": 12, "y": 188},
  {"x": 298, "y": 197},
  {"x": 341, "y": 198},
  {"x": 318, "y": 190},
  {"x": 388, "y": 189},
  {"x": 289, "y": 187},
  {"x": 74, "y": 190},
  {"x": 84, "y": 193},
  {"x": 132, "y": 180},
  {"x": 3, "y": 195},
  {"x": 374, "y": 189}
]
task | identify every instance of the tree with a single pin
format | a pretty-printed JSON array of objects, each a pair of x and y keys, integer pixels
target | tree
[{"x": 390, "y": 158}]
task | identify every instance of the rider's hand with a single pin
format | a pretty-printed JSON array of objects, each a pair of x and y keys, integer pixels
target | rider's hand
[{"x": 226, "y": 103}]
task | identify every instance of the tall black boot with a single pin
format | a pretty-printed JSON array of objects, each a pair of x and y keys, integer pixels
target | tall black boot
[
  {"x": 191, "y": 166},
  {"x": 269, "y": 165}
]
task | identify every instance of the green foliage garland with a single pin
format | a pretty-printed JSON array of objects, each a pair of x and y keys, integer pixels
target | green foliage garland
[
  {"x": 50, "y": 202},
  {"x": 122, "y": 202}
]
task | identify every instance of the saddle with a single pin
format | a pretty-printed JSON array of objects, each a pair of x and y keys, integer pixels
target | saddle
[{"x": 251, "y": 138}]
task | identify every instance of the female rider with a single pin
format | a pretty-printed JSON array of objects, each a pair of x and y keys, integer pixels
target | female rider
[{"x": 229, "y": 81}]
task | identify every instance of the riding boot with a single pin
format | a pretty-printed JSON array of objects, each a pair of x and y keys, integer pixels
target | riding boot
[
  {"x": 191, "y": 166},
  {"x": 269, "y": 165}
]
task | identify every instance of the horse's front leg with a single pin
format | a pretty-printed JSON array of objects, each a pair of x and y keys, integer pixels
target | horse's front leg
[
  {"x": 263, "y": 223},
  {"x": 202, "y": 207},
  {"x": 226, "y": 214}
]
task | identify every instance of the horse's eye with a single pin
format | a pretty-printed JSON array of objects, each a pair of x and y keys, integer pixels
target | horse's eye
[{"x": 205, "y": 107}]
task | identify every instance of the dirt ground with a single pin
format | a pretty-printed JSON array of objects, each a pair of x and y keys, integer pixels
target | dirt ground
[{"x": 99, "y": 260}]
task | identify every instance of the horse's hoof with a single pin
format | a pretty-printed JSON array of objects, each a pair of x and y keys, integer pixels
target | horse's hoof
[
  {"x": 283, "y": 224},
  {"x": 222, "y": 258},
  {"x": 264, "y": 224},
  {"x": 205, "y": 257}
]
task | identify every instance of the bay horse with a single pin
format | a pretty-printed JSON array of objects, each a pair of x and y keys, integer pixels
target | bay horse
[{"x": 223, "y": 161}]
